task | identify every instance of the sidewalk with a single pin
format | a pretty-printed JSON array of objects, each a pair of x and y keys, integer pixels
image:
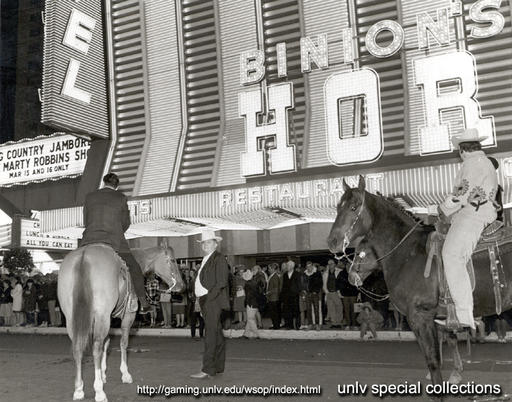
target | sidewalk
[{"x": 238, "y": 333}]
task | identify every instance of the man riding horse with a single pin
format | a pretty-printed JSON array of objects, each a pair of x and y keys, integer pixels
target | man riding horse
[
  {"x": 470, "y": 208},
  {"x": 106, "y": 219}
]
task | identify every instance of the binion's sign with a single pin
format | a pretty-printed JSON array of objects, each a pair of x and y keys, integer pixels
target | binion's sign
[
  {"x": 74, "y": 95},
  {"x": 430, "y": 73}
]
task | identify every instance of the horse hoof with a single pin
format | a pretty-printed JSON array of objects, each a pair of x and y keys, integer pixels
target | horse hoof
[
  {"x": 101, "y": 397},
  {"x": 127, "y": 378},
  {"x": 78, "y": 395},
  {"x": 428, "y": 376},
  {"x": 455, "y": 378}
]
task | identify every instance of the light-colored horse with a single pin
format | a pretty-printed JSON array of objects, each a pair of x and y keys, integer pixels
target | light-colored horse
[{"x": 89, "y": 287}]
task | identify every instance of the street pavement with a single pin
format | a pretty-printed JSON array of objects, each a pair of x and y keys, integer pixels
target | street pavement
[{"x": 41, "y": 368}]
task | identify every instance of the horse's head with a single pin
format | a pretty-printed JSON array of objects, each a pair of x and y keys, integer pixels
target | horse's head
[
  {"x": 365, "y": 262},
  {"x": 162, "y": 262},
  {"x": 353, "y": 219}
]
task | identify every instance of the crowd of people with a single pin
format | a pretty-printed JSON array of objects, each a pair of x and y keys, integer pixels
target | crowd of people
[
  {"x": 29, "y": 301},
  {"x": 276, "y": 296}
]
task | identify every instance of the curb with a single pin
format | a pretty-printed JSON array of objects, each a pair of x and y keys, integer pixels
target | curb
[{"x": 238, "y": 333}]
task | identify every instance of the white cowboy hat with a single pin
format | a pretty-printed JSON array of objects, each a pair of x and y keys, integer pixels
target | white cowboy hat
[
  {"x": 209, "y": 235},
  {"x": 468, "y": 135},
  {"x": 247, "y": 275}
]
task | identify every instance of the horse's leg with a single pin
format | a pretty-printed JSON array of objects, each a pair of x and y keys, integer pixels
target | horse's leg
[
  {"x": 455, "y": 376},
  {"x": 101, "y": 327},
  {"x": 78, "y": 395},
  {"x": 425, "y": 330},
  {"x": 104, "y": 361},
  {"x": 126, "y": 324}
]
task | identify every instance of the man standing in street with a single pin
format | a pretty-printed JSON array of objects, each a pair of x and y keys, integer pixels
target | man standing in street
[
  {"x": 106, "y": 218},
  {"x": 273, "y": 291},
  {"x": 332, "y": 294},
  {"x": 211, "y": 287}
]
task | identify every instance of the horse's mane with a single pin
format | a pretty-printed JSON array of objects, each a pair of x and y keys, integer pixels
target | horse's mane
[{"x": 408, "y": 215}]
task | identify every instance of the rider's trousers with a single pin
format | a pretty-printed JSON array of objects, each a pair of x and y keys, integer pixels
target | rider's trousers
[
  {"x": 137, "y": 277},
  {"x": 459, "y": 245}
]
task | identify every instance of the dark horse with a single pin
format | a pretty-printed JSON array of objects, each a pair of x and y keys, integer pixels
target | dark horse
[{"x": 398, "y": 243}]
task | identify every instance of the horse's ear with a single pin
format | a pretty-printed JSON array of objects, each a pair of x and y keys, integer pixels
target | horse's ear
[
  {"x": 346, "y": 187},
  {"x": 362, "y": 185}
]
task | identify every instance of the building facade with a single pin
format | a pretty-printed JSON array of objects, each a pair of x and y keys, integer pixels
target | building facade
[{"x": 246, "y": 116}]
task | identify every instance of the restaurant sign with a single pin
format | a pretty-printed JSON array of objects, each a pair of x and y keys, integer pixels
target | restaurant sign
[
  {"x": 30, "y": 237},
  {"x": 44, "y": 158}
]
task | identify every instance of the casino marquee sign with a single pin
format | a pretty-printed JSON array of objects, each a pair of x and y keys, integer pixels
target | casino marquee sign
[{"x": 455, "y": 70}]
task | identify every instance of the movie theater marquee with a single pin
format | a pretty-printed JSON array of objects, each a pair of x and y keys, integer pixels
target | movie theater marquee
[{"x": 351, "y": 148}]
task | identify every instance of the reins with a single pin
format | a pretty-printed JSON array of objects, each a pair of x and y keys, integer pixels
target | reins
[{"x": 367, "y": 292}]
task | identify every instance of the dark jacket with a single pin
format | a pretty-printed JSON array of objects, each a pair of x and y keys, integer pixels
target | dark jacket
[
  {"x": 252, "y": 293},
  {"x": 5, "y": 295},
  {"x": 29, "y": 299},
  {"x": 106, "y": 218},
  {"x": 275, "y": 283},
  {"x": 291, "y": 286},
  {"x": 313, "y": 282},
  {"x": 346, "y": 289},
  {"x": 215, "y": 278}
]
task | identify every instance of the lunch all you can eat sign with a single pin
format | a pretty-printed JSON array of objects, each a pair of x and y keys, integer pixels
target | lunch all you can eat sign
[{"x": 45, "y": 158}]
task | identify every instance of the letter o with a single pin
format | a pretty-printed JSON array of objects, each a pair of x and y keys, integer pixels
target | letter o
[{"x": 396, "y": 44}]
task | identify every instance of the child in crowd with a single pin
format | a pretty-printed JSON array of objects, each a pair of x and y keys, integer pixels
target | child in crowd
[{"x": 370, "y": 319}]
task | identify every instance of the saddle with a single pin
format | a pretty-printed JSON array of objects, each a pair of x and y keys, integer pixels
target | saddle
[
  {"x": 493, "y": 237},
  {"x": 127, "y": 301}
]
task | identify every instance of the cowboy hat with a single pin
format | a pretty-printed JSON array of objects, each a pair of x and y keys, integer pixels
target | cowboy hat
[
  {"x": 247, "y": 275},
  {"x": 468, "y": 135},
  {"x": 209, "y": 235}
]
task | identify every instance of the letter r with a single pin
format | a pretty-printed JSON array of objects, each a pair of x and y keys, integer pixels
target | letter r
[{"x": 432, "y": 71}]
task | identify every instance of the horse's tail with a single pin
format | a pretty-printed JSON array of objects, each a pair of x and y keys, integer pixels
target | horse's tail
[{"x": 82, "y": 316}]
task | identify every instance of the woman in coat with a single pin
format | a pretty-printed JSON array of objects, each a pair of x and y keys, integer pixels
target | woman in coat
[{"x": 17, "y": 301}]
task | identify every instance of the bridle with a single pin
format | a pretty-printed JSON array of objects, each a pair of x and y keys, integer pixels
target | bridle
[
  {"x": 362, "y": 255},
  {"x": 346, "y": 240}
]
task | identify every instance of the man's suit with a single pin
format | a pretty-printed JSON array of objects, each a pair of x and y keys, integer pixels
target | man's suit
[
  {"x": 214, "y": 276},
  {"x": 273, "y": 295},
  {"x": 290, "y": 297},
  {"x": 106, "y": 218}
]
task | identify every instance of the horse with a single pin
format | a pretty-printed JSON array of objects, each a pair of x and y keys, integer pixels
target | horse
[
  {"x": 376, "y": 227},
  {"x": 89, "y": 288}
]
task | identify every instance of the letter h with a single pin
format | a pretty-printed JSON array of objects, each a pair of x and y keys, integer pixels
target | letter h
[{"x": 282, "y": 157}]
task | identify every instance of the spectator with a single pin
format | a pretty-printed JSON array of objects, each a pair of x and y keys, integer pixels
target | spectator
[
  {"x": 165, "y": 305},
  {"x": 274, "y": 286},
  {"x": 261, "y": 280},
  {"x": 178, "y": 301},
  {"x": 290, "y": 296},
  {"x": 349, "y": 296},
  {"x": 54, "y": 316},
  {"x": 331, "y": 288},
  {"x": 239, "y": 296},
  {"x": 370, "y": 319},
  {"x": 42, "y": 303},
  {"x": 5, "y": 303},
  {"x": 17, "y": 300},
  {"x": 152, "y": 286},
  {"x": 252, "y": 290},
  {"x": 313, "y": 281},
  {"x": 29, "y": 301}
]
